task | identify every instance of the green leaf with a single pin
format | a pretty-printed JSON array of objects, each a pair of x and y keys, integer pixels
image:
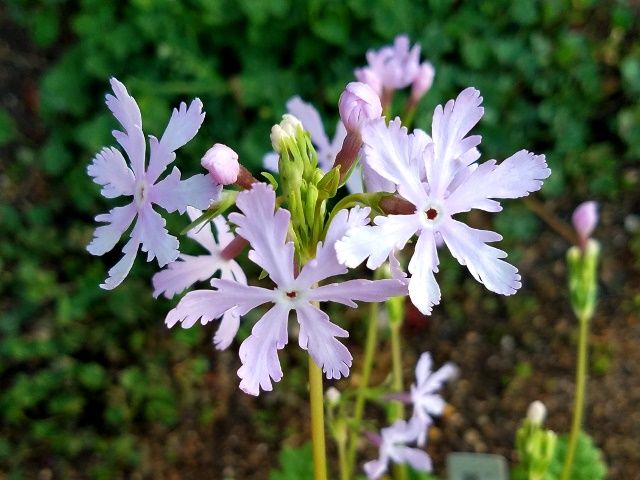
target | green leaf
[
  {"x": 295, "y": 463},
  {"x": 587, "y": 464}
]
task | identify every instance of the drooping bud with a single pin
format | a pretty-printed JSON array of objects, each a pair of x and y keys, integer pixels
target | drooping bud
[
  {"x": 358, "y": 104},
  {"x": 537, "y": 412},
  {"x": 222, "y": 164},
  {"x": 423, "y": 81},
  {"x": 585, "y": 219},
  {"x": 370, "y": 77}
]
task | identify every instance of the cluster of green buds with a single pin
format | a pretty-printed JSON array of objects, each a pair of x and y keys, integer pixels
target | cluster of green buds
[
  {"x": 583, "y": 262},
  {"x": 535, "y": 444},
  {"x": 305, "y": 187}
]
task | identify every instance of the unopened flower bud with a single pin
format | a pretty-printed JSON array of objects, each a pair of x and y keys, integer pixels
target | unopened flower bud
[
  {"x": 222, "y": 164},
  {"x": 585, "y": 219},
  {"x": 537, "y": 412},
  {"x": 332, "y": 395},
  {"x": 423, "y": 81},
  {"x": 287, "y": 128},
  {"x": 371, "y": 78},
  {"x": 358, "y": 104}
]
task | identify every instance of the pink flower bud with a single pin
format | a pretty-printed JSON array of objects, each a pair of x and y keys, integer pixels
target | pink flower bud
[
  {"x": 222, "y": 164},
  {"x": 585, "y": 219},
  {"x": 423, "y": 81},
  {"x": 358, "y": 104},
  {"x": 371, "y": 78}
]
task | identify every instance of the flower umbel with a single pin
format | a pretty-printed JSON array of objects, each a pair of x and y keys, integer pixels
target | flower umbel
[
  {"x": 140, "y": 181},
  {"x": 266, "y": 227},
  {"x": 440, "y": 178}
]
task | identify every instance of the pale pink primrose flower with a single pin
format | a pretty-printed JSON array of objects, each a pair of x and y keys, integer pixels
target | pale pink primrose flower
[
  {"x": 396, "y": 66},
  {"x": 439, "y": 177},
  {"x": 423, "y": 81},
  {"x": 110, "y": 170},
  {"x": 222, "y": 164},
  {"x": 393, "y": 448},
  {"x": 370, "y": 77},
  {"x": 358, "y": 105},
  {"x": 266, "y": 228},
  {"x": 585, "y": 219},
  {"x": 189, "y": 269},
  {"x": 424, "y": 397}
]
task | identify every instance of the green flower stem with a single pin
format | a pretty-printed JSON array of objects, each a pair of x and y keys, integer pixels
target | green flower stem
[
  {"x": 396, "y": 410},
  {"x": 578, "y": 405},
  {"x": 345, "y": 472},
  {"x": 367, "y": 366},
  {"x": 316, "y": 399}
]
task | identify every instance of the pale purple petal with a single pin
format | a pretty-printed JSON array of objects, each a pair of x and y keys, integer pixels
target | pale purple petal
[
  {"x": 424, "y": 368},
  {"x": 311, "y": 121},
  {"x": 469, "y": 247},
  {"x": 416, "y": 458},
  {"x": 517, "y": 176},
  {"x": 376, "y": 468},
  {"x": 376, "y": 242},
  {"x": 182, "y": 127},
  {"x": 125, "y": 109},
  {"x": 259, "y": 352},
  {"x": 183, "y": 273},
  {"x": 110, "y": 170},
  {"x": 207, "y": 305},
  {"x": 120, "y": 270},
  {"x": 202, "y": 233},
  {"x": 396, "y": 269},
  {"x": 174, "y": 194},
  {"x": 360, "y": 290},
  {"x": 325, "y": 264},
  {"x": 266, "y": 231},
  {"x": 223, "y": 233},
  {"x": 423, "y": 288},
  {"x": 318, "y": 336},
  {"x": 154, "y": 237},
  {"x": 233, "y": 271},
  {"x": 227, "y": 329},
  {"x": 396, "y": 156},
  {"x": 449, "y": 127},
  {"x": 106, "y": 236},
  {"x": 355, "y": 183},
  {"x": 372, "y": 181},
  {"x": 270, "y": 161}
]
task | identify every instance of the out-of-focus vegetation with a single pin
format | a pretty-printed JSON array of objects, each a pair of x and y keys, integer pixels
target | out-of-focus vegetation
[{"x": 85, "y": 375}]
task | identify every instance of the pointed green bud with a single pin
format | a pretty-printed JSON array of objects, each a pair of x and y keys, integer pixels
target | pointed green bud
[{"x": 328, "y": 185}]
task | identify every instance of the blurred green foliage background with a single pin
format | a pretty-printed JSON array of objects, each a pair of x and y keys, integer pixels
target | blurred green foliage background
[{"x": 86, "y": 375}]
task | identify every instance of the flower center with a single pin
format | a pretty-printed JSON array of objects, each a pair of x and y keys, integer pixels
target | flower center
[
  {"x": 432, "y": 213},
  {"x": 292, "y": 294},
  {"x": 141, "y": 192}
]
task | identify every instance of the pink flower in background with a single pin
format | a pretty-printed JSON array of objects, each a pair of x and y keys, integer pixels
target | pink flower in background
[
  {"x": 189, "y": 269},
  {"x": 393, "y": 447},
  {"x": 423, "y": 81},
  {"x": 585, "y": 219},
  {"x": 370, "y": 77},
  {"x": 265, "y": 228},
  {"x": 424, "y": 397},
  {"x": 396, "y": 66},
  {"x": 110, "y": 170},
  {"x": 439, "y": 177}
]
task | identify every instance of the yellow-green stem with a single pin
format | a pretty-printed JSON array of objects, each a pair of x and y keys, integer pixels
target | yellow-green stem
[
  {"x": 578, "y": 405},
  {"x": 367, "y": 365},
  {"x": 345, "y": 473},
  {"x": 316, "y": 399},
  {"x": 396, "y": 410}
]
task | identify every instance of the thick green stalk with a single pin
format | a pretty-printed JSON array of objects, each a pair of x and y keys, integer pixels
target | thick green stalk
[
  {"x": 316, "y": 399},
  {"x": 396, "y": 410},
  {"x": 578, "y": 405},
  {"x": 367, "y": 366}
]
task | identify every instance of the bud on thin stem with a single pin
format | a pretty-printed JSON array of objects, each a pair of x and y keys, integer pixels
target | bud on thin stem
[
  {"x": 245, "y": 179},
  {"x": 348, "y": 154}
]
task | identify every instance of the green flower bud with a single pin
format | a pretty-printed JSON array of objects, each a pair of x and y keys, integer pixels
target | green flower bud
[{"x": 583, "y": 279}]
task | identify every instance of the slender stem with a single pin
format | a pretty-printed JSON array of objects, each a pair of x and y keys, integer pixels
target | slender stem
[
  {"x": 367, "y": 366},
  {"x": 578, "y": 405},
  {"x": 396, "y": 410},
  {"x": 345, "y": 472},
  {"x": 316, "y": 399}
]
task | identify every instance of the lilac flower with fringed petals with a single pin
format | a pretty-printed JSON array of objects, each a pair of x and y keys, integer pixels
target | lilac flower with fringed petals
[
  {"x": 439, "y": 177},
  {"x": 110, "y": 170},
  {"x": 426, "y": 402},
  {"x": 266, "y": 228},
  {"x": 326, "y": 150},
  {"x": 393, "y": 447},
  {"x": 395, "y": 66}
]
